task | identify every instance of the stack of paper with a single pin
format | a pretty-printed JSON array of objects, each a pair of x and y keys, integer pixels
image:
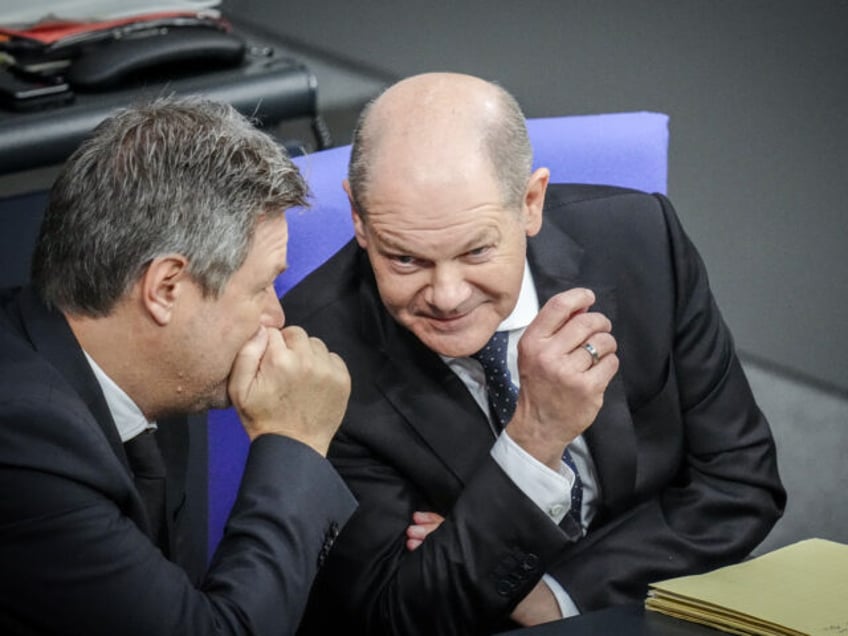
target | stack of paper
[
  {"x": 799, "y": 590},
  {"x": 34, "y": 11}
]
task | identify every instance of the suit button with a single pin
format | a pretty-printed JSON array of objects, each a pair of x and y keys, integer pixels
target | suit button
[
  {"x": 530, "y": 562},
  {"x": 504, "y": 587},
  {"x": 330, "y": 537}
]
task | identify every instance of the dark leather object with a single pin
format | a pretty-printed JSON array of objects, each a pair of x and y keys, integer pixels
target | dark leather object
[{"x": 106, "y": 65}]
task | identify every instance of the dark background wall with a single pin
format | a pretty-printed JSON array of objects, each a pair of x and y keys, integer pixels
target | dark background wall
[{"x": 757, "y": 92}]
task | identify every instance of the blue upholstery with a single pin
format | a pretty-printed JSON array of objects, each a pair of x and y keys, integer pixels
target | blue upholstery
[{"x": 626, "y": 149}]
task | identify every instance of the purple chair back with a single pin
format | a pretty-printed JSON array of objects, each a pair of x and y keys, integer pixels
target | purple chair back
[{"x": 624, "y": 149}]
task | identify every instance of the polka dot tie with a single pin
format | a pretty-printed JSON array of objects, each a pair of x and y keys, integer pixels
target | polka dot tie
[{"x": 503, "y": 395}]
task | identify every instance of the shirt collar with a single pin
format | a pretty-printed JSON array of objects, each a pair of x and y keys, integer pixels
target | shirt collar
[
  {"x": 129, "y": 420},
  {"x": 526, "y": 307}
]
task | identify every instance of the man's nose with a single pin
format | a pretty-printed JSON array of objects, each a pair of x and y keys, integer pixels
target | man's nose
[
  {"x": 448, "y": 288},
  {"x": 272, "y": 312}
]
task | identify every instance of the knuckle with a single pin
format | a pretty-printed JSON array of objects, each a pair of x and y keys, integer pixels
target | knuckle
[
  {"x": 561, "y": 302},
  {"x": 614, "y": 362},
  {"x": 317, "y": 343},
  {"x": 598, "y": 322},
  {"x": 293, "y": 333}
]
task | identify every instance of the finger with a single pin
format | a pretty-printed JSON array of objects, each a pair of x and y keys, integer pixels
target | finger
[
  {"x": 567, "y": 343},
  {"x": 252, "y": 351},
  {"x": 421, "y": 517},
  {"x": 247, "y": 362},
  {"x": 318, "y": 345},
  {"x": 602, "y": 373},
  {"x": 417, "y": 532},
  {"x": 277, "y": 348},
  {"x": 412, "y": 544},
  {"x": 594, "y": 354},
  {"x": 560, "y": 309},
  {"x": 295, "y": 337},
  {"x": 577, "y": 331},
  {"x": 338, "y": 362},
  {"x": 592, "y": 351}
]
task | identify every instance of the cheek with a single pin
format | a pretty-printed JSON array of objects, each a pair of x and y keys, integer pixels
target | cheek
[
  {"x": 500, "y": 277},
  {"x": 392, "y": 292},
  {"x": 508, "y": 269},
  {"x": 398, "y": 293},
  {"x": 239, "y": 326}
]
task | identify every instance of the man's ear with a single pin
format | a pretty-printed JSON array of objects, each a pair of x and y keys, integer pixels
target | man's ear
[
  {"x": 161, "y": 283},
  {"x": 358, "y": 223},
  {"x": 534, "y": 200}
]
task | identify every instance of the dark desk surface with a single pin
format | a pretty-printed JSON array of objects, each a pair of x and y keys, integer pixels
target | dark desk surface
[
  {"x": 626, "y": 620},
  {"x": 269, "y": 86}
]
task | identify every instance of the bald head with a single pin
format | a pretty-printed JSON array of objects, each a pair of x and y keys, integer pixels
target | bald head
[{"x": 429, "y": 125}]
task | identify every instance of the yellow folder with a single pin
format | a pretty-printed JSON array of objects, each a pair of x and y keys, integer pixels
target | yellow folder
[{"x": 798, "y": 590}]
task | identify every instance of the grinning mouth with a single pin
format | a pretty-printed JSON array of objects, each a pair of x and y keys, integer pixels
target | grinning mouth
[{"x": 447, "y": 323}]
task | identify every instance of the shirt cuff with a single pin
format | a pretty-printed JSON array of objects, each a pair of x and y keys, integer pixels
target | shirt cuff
[
  {"x": 548, "y": 489},
  {"x": 566, "y": 605}
]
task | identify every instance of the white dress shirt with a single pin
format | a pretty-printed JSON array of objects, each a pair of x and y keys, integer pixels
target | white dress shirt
[
  {"x": 129, "y": 420},
  {"x": 548, "y": 489}
]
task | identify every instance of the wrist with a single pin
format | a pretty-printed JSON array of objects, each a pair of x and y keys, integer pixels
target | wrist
[{"x": 540, "y": 447}]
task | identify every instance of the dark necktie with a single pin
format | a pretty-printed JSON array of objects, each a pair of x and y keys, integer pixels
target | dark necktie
[
  {"x": 503, "y": 396},
  {"x": 148, "y": 469}
]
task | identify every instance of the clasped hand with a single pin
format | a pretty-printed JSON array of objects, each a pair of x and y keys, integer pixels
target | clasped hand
[{"x": 285, "y": 382}]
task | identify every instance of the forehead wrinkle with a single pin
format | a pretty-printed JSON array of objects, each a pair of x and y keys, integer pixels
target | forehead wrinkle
[{"x": 395, "y": 240}]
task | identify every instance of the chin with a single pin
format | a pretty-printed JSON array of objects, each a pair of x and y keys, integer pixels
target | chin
[
  {"x": 455, "y": 345},
  {"x": 220, "y": 401},
  {"x": 212, "y": 398}
]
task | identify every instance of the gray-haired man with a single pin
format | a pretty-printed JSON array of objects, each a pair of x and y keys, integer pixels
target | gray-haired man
[{"x": 153, "y": 297}]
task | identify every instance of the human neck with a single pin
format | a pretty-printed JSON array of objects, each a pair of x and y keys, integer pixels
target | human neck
[{"x": 118, "y": 345}]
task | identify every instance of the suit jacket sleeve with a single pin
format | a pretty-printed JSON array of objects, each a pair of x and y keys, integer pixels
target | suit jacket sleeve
[
  {"x": 464, "y": 579},
  {"x": 724, "y": 493},
  {"x": 75, "y": 562}
]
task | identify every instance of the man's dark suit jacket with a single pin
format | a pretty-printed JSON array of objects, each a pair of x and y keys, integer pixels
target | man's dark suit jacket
[
  {"x": 75, "y": 557},
  {"x": 685, "y": 459}
]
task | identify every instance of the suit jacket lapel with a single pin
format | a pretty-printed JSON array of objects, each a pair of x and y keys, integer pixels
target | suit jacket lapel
[
  {"x": 440, "y": 409},
  {"x": 430, "y": 396},
  {"x": 52, "y": 338},
  {"x": 557, "y": 265}
]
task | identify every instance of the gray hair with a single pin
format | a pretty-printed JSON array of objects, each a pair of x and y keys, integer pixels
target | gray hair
[
  {"x": 504, "y": 139},
  {"x": 177, "y": 175}
]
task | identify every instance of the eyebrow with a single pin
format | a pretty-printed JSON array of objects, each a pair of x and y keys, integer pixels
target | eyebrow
[{"x": 486, "y": 235}]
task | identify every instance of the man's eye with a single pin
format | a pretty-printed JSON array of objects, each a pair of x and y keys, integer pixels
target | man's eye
[
  {"x": 403, "y": 259},
  {"x": 478, "y": 251}
]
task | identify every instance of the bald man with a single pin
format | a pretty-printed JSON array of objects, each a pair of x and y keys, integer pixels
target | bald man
[{"x": 620, "y": 444}]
